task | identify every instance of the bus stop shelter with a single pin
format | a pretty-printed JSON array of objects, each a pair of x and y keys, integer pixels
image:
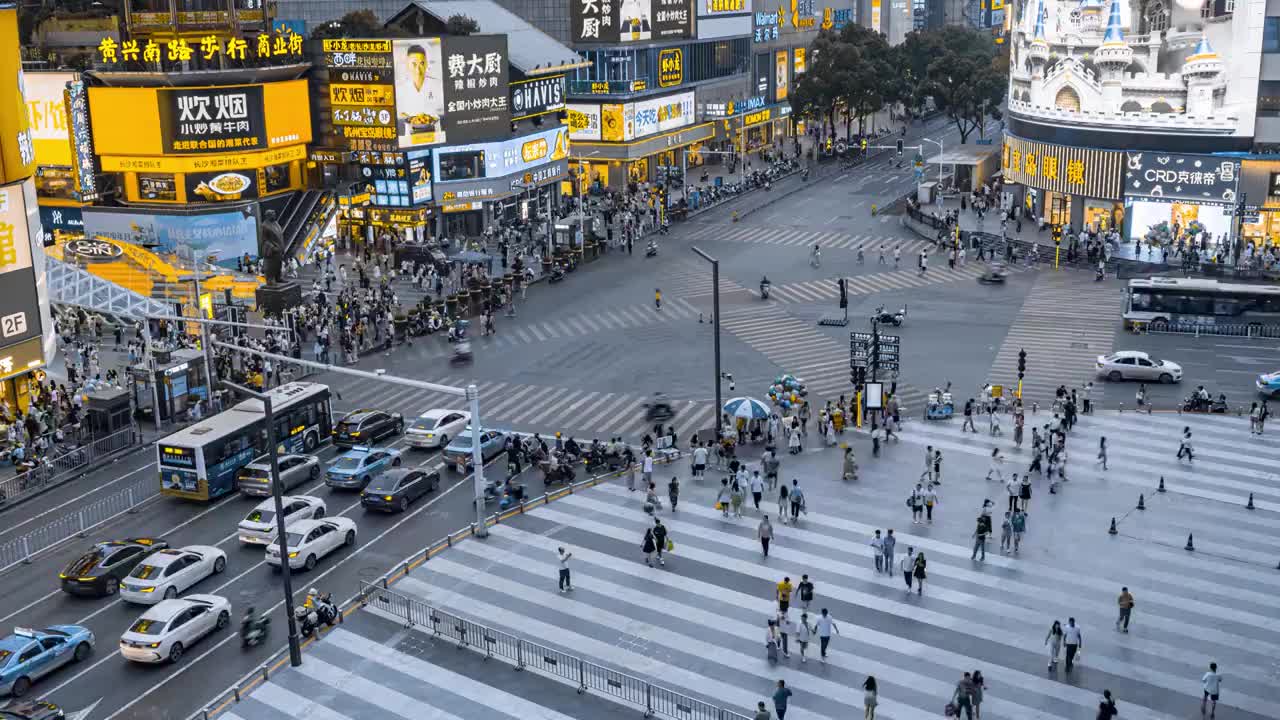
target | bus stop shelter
[{"x": 970, "y": 166}]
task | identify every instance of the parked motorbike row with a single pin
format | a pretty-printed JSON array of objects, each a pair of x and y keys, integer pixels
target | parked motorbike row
[{"x": 712, "y": 194}]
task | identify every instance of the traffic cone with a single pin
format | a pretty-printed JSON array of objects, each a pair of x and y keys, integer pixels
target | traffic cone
[
  {"x": 1190, "y": 543},
  {"x": 1113, "y": 530},
  {"x": 1161, "y": 488},
  {"x": 1250, "y": 505},
  {"x": 1142, "y": 504}
]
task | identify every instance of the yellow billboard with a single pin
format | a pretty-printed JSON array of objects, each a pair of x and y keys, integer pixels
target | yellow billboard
[
  {"x": 47, "y": 113},
  {"x": 17, "y": 155},
  {"x": 178, "y": 121},
  {"x": 782, "y": 76}
]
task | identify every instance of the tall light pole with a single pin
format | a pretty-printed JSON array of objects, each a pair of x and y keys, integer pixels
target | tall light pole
[
  {"x": 715, "y": 321},
  {"x": 940, "y": 151},
  {"x": 295, "y": 647}
]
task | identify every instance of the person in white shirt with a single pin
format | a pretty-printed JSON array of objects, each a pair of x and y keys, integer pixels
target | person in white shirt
[
  {"x": 1072, "y": 638},
  {"x": 877, "y": 550},
  {"x": 825, "y": 626},
  {"x": 804, "y": 634},
  {"x": 757, "y": 488},
  {"x": 699, "y": 461},
  {"x": 565, "y": 583},
  {"x": 648, "y": 468},
  {"x": 1212, "y": 684},
  {"x": 908, "y": 565}
]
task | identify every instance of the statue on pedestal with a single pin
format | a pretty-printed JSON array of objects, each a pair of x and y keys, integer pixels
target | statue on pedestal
[{"x": 272, "y": 248}]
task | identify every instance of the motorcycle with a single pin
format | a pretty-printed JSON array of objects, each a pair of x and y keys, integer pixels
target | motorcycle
[
  {"x": 658, "y": 411},
  {"x": 651, "y": 249},
  {"x": 896, "y": 319},
  {"x": 764, "y": 289},
  {"x": 557, "y": 274},
  {"x": 254, "y": 631},
  {"x": 561, "y": 472},
  {"x": 1194, "y": 403},
  {"x": 462, "y": 352},
  {"x": 316, "y": 610}
]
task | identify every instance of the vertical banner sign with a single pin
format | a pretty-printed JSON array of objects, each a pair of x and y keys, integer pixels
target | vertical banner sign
[
  {"x": 475, "y": 87},
  {"x": 361, "y": 68},
  {"x": 800, "y": 57},
  {"x": 84, "y": 163},
  {"x": 780, "y": 81},
  {"x": 17, "y": 153},
  {"x": 875, "y": 15},
  {"x": 419, "y": 71}
]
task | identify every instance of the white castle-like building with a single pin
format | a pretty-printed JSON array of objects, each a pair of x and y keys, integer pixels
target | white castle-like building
[{"x": 1130, "y": 64}]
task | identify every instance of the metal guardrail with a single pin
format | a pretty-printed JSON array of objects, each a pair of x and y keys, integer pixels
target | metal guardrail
[
  {"x": 263, "y": 672},
  {"x": 58, "y": 469},
  {"x": 655, "y": 700},
  {"x": 23, "y": 548},
  {"x": 1245, "y": 330}
]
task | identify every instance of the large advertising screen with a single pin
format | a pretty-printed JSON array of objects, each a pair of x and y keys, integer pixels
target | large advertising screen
[
  {"x": 231, "y": 233},
  {"x": 623, "y": 122},
  {"x": 500, "y": 159},
  {"x": 602, "y": 21},
  {"x": 450, "y": 90},
  {"x": 1182, "y": 68},
  {"x": 199, "y": 120},
  {"x": 47, "y": 110},
  {"x": 361, "y": 71},
  {"x": 17, "y": 155}
]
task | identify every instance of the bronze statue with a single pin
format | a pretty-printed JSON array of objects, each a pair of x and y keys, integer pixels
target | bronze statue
[{"x": 272, "y": 248}]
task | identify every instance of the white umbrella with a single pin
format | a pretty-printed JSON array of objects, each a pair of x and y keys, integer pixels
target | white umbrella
[{"x": 747, "y": 408}]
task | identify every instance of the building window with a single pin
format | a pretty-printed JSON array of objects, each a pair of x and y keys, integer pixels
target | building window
[
  {"x": 1271, "y": 35},
  {"x": 1206, "y": 9},
  {"x": 1157, "y": 17},
  {"x": 1269, "y": 98}
]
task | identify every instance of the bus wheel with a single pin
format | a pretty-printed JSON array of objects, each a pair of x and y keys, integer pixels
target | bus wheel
[{"x": 310, "y": 442}]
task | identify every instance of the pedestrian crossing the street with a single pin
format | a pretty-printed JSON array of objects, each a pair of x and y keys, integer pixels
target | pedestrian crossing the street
[
  {"x": 799, "y": 349},
  {"x": 890, "y": 281},
  {"x": 1066, "y": 322},
  {"x": 527, "y": 407},
  {"x": 696, "y": 624},
  {"x": 797, "y": 237}
]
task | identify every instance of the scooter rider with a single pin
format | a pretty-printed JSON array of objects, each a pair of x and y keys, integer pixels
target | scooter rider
[{"x": 764, "y": 286}]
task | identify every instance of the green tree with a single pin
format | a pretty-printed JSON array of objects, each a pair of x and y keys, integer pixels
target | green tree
[
  {"x": 355, "y": 24},
  {"x": 815, "y": 94},
  {"x": 462, "y": 25},
  {"x": 865, "y": 74},
  {"x": 961, "y": 70}
]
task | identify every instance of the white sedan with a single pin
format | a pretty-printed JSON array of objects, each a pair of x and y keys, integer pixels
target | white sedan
[
  {"x": 164, "y": 574},
  {"x": 166, "y": 630},
  {"x": 259, "y": 526},
  {"x": 1137, "y": 365},
  {"x": 434, "y": 428},
  {"x": 310, "y": 540}
]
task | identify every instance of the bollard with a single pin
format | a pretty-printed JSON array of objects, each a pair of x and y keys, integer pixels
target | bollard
[
  {"x": 1161, "y": 488},
  {"x": 1113, "y": 530},
  {"x": 26, "y": 551},
  {"x": 266, "y": 672},
  {"x": 1190, "y": 543},
  {"x": 204, "y": 714},
  {"x": 80, "y": 519},
  {"x": 236, "y": 692},
  {"x": 1142, "y": 505},
  {"x": 1250, "y": 505},
  {"x": 129, "y": 494}
]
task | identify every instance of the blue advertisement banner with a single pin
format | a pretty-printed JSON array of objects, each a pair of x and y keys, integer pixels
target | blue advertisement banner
[{"x": 228, "y": 234}]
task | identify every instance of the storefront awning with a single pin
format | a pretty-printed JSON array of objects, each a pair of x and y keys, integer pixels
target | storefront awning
[{"x": 584, "y": 151}]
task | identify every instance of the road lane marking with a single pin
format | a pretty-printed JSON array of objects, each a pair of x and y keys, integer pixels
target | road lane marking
[{"x": 359, "y": 548}]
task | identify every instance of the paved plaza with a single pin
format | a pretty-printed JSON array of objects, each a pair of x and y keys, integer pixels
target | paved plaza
[{"x": 697, "y": 624}]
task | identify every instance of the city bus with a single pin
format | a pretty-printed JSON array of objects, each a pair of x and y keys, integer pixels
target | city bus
[
  {"x": 201, "y": 462},
  {"x": 1201, "y": 302}
]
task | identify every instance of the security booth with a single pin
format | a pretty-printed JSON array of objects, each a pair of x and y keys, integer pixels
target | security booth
[
  {"x": 175, "y": 381},
  {"x": 109, "y": 410}
]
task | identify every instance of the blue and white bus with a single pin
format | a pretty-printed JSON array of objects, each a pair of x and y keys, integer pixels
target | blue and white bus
[{"x": 201, "y": 462}]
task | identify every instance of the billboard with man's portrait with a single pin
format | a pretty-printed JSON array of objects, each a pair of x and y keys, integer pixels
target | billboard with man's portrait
[{"x": 420, "y": 102}]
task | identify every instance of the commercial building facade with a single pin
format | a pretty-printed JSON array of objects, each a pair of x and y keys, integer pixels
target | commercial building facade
[{"x": 1142, "y": 117}]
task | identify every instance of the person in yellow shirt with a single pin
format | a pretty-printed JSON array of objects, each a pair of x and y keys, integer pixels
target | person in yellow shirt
[
  {"x": 785, "y": 589},
  {"x": 657, "y": 298}
]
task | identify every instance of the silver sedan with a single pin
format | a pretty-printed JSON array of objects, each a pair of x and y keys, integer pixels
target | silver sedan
[{"x": 255, "y": 478}]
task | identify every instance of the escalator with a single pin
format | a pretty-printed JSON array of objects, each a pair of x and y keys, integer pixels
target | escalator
[{"x": 304, "y": 218}]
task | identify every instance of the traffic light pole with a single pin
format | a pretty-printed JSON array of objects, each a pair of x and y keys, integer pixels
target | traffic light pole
[{"x": 1022, "y": 368}]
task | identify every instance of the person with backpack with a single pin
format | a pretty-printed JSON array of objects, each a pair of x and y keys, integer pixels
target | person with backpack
[
  {"x": 797, "y": 501},
  {"x": 980, "y": 535},
  {"x": 1107, "y": 706}
]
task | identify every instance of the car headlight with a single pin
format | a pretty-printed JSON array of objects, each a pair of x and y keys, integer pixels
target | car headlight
[
  {"x": 355, "y": 434},
  {"x": 154, "y": 645},
  {"x": 387, "y": 498},
  {"x": 430, "y": 435},
  {"x": 293, "y": 555}
]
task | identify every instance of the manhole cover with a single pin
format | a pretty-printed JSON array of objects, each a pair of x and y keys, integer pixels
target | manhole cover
[{"x": 1080, "y": 345}]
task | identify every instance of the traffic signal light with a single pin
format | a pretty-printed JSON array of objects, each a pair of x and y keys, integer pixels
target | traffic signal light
[
  {"x": 899, "y": 146},
  {"x": 1022, "y": 363},
  {"x": 863, "y": 145},
  {"x": 858, "y": 376},
  {"x": 1057, "y": 234}
]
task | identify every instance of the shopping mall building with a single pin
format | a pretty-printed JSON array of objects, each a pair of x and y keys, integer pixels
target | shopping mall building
[{"x": 1145, "y": 115}]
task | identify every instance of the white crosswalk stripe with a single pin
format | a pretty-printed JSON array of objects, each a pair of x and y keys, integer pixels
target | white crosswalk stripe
[
  {"x": 695, "y": 625},
  {"x": 1064, "y": 325},
  {"x": 798, "y": 237},
  {"x": 867, "y": 284},
  {"x": 688, "y": 279}
]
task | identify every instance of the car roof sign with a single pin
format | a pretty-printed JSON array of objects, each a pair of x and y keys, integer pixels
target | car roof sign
[{"x": 25, "y": 632}]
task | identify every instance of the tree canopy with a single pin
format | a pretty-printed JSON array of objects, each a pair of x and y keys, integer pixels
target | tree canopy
[{"x": 856, "y": 72}]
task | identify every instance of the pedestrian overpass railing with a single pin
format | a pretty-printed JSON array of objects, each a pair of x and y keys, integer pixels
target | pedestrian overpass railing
[
  {"x": 1244, "y": 330},
  {"x": 655, "y": 700}
]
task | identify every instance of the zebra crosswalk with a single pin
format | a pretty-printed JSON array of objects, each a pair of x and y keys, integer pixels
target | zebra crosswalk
[
  {"x": 1066, "y": 322},
  {"x": 689, "y": 279},
  {"x": 867, "y": 284},
  {"x": 798, "y": 348},
  {"x": 870, "y": 244},
  {"x": 527, "y": 407},
  {"x": 696, "y": 624}
]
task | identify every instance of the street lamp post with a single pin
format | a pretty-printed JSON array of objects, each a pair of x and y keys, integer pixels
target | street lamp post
[
  {"x": 715, "y": 321},
  {"x": 940, "y": 151},
  {"x": 295, "y": 647}
]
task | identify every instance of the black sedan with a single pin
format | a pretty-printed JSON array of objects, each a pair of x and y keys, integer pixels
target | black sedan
[
  {"x": 31, "y": 710},
  {"x": 395, "y": 489},
  {"x": 100, "y": 570},
  {"x": 366, "y": 427}
]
